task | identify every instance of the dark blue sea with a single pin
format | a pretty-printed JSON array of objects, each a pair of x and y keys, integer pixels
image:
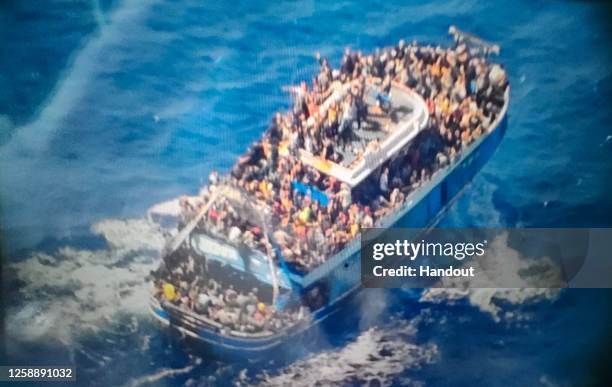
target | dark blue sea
[{"x": 109, "y": 107}]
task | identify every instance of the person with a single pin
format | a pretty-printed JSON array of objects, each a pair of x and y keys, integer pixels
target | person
[
  {"x": 345, "y": 196},
  {"x": 170, "y": 292},
  {"x": 354, "y": 229},
  {"x": 234, "y": 234},
  {"x": 300, "y": 106},
  {"x": 367, "y": 221},
  {"x": 305, "y": 215},
  {"x": 204, "y": 301},
  {"x": 384, "y": 181},
  {"x": 213, "y": 178},
  {"x": 348, "y": 62},
  {"x": 396, "y": 197},
  {"x": 349, "y": 116}
]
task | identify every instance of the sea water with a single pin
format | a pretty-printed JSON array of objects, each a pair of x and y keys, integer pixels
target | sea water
[{"x": 109, "y": 107}]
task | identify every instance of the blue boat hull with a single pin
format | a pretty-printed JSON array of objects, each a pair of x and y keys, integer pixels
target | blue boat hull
[{"x": 422, "y": 210}]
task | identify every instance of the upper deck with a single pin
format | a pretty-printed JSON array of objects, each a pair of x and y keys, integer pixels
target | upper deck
[{"x": 379, "y": 139}]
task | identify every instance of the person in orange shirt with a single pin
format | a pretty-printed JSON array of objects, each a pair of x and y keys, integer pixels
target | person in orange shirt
[{"x": 435, "y": 68}]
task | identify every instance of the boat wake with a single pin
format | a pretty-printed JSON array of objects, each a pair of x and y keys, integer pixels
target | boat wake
[
  {"x": 377, "y": 355},
  {"x": 74, "y": 291},
  {"x": 164, "y": 373},
  {"x": 504, "y": 263}
]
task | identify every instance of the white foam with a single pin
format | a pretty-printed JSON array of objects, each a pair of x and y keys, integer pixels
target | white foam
[
  {"x": 163, "y": 373},
  {"x": 36, "y": 134},
  {"x": 170, "y": 208},
  {"x": 503, "y": 265},
  {"x": 73, "y": 291},
  {"x": 379, "y": 353},
  {"x": 130, "y": 235}
]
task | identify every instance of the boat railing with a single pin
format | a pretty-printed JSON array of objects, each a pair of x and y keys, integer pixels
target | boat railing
[
  {"x": 371, "y": 159},
  {"x": 474, "y": 41},
  {"x": 177, "y": 309},
  {"x": 196, "y": 321},
  {"x": 396, "y": 140},
  {"x": 412, "y": 196}
]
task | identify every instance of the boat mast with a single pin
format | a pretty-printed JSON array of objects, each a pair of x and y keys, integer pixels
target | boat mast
[
  {"x": 184, "y": 233},
  {"x": 236, "y": 194}
]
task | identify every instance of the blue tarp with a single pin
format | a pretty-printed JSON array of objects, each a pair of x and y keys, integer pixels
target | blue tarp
[{"x": 311, "y": 191}]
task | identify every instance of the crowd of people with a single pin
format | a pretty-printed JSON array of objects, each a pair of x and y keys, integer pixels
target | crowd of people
[
  {"x": 464, "y": 94},
  {"x": 214, "y": 293}
]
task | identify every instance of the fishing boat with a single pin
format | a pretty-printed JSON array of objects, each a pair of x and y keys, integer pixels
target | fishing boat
[{"x": 311, "y": 293}]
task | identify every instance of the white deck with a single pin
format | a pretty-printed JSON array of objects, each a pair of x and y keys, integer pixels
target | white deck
[{"x": 399, "y": 134}]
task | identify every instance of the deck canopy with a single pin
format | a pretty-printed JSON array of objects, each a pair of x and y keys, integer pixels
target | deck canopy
[{"x": 378, "y": 140}]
